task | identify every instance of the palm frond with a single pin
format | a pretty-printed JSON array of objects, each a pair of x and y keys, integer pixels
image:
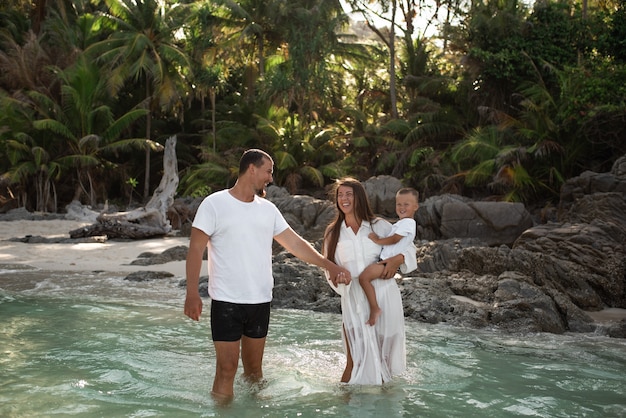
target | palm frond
[
  {"x": 313, "y": 175},
  {"x": 56, "y": 127}
]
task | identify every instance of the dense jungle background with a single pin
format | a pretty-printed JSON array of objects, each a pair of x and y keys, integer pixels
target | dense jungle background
[{"x": 491, "y": 99}]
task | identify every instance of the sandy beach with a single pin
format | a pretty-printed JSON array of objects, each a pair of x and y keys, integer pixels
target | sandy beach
[{"x": 106, "y": 256}]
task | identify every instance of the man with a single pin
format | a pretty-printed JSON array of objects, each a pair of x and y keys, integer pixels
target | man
[{"x": 238, "y": 226}]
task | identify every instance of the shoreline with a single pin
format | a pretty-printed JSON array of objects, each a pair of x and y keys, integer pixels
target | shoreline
[{"x": 116, "y": 256}]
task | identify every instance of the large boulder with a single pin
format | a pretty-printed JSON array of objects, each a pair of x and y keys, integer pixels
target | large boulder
[
  {"x": 306, "y": 215},
  {"x": 381, "y": 192},
  {"x": 451, "y": 216}
]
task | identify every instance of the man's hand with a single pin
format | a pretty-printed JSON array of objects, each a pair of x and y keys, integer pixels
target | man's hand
[{"x": 193, "y": 306}]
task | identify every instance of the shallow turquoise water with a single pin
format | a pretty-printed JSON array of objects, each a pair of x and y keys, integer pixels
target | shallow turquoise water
[{"x": 94, "y": 346}]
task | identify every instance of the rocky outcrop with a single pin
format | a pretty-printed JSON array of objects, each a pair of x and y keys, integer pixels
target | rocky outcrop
[
  {"x": 548, "y": 279},
  {"x": 480, "y": 264},
  {"x": 452, "y": 216},
  {"x": 484, "y": 264}
]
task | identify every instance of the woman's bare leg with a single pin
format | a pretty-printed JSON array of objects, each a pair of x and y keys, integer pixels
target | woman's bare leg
[{"x": 347, "y": 372}]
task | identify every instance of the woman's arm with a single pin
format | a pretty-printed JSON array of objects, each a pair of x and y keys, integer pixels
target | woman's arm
[
  {"x": 406, "y": 261},
  {"x": 391, "y": 265}
]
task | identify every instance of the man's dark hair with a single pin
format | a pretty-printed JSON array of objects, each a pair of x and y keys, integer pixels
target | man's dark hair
[{"x": 252, "y": 156}]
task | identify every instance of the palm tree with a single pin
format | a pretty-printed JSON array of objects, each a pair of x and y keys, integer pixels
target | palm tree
[
  {"x": 31, "y": 163},
  {"x": 208, "y": 60},
  {"x": 24, "y": 67},
  {"x": 86, "y": 124},
  {"x": 302, "y": 156},
  {"x": 259, "y": 21},
  {"x": 28, "y": 158},
  {"x": 304, "y": 75},
  {"x": 143, "y": 47}
]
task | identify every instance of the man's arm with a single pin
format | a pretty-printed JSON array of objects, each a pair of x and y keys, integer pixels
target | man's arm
[
  {"x": 197, "y": 244},
  {"x": 302, "y": 249}
]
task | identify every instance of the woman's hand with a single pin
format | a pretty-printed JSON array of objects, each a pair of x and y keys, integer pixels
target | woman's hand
[
  {"x": 339, "y": 275},
  {"x": 391, "y": 266}
]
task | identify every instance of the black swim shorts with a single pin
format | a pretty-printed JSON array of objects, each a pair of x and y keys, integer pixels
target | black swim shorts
[{"x": 229, "y": 321}]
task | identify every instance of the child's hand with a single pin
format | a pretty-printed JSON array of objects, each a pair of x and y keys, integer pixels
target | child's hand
[{"x": 373, "y": 236}]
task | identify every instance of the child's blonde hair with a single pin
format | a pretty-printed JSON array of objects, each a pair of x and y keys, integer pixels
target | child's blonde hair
[{"x": 409, "y": 190}]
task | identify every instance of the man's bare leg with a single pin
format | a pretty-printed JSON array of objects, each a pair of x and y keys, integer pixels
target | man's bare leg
[
  {"x": 371, "y": 272},
  {"x": 227, "y": 361},
  {"x": 252, "y": 358}
]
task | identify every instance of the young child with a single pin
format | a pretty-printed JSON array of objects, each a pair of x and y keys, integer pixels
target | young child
[{"x": 402, "y": 234}]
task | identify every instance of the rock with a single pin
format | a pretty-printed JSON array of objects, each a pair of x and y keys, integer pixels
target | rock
[
  {"x": 538, "y": 310},
  {"x": 22, "y": 214},
  {"x": 492, "y": 223},
  {"x": 146, "y": 276},
  {"x": 484, "y": 264},
  {"x": 181, "y": 213},
  {"x": 381, "y": 192},
  {"x": 617, "y": 330},
  {"x": 306, "y": 215},
  {"x": 299, "y": 285},
  {"x": 203, "y": 285},
  {"x": 178, "y": 253},
  {"x": 76, "y": 211},
  {"x": 619, "y": 167},
  {"x": 589, "y": 183}
]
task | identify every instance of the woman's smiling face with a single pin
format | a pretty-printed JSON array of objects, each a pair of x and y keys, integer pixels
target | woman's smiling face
[{"x": 345, "y": 199}]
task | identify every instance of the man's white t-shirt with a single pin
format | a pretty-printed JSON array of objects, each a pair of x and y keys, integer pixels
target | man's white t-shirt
[
  {"x": 407, "y": 228},
  {"x": 240, "y": 246}
]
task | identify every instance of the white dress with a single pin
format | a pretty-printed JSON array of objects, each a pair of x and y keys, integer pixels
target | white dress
[{"x": 378, "y": 351}]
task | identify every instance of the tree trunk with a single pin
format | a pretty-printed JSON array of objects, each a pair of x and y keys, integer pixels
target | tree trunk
[
  {"x": 146, "y": 183},
  {"x": 392, "y": 62}
]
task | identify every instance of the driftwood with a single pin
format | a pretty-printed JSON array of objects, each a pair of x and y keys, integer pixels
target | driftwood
[{"x": 148, "y": 221}]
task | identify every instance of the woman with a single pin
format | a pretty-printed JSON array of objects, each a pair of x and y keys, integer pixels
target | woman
[{"x": 374, "y": 353}]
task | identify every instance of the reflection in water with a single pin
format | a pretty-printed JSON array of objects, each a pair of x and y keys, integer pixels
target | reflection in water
[{"x": 94, "y": 345}]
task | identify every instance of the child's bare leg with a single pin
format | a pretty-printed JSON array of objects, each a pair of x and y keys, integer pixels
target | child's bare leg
[{"x": 371, "y": 272}]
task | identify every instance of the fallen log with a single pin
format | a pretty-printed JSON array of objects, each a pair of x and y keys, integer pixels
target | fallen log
[
  {"x": 145, "y": 222},
  {"x": 118, "y": 230}
]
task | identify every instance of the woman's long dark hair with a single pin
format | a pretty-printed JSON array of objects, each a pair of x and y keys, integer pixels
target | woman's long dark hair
[{"x": 362, "y": 211}]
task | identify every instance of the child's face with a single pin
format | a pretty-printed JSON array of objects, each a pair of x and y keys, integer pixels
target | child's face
[{"x": 406, "y": 205}]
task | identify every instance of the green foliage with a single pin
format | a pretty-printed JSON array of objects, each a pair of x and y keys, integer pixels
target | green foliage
[
  {"x": 520, "y": 99},
  {"x": 615, "y": 38}
]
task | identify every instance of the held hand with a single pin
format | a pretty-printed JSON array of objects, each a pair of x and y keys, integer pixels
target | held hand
[
  {"x": 339, "y": 275},
  {"x": 193, "y": 307},
  {"x": 373, "y": 236},
  {"x": 345, "y": 276}
]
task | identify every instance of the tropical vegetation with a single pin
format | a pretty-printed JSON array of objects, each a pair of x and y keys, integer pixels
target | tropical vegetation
[{"x": 493, "y": 99}]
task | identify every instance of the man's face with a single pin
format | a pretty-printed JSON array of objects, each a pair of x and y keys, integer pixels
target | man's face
[{"x": 263, "y": 176}]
